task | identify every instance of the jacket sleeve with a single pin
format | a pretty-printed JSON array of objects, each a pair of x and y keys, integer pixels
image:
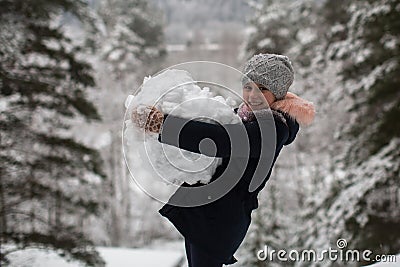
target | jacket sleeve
[
  {"x": 293, "y": 127},
  {"x": 195, "y": 136},
  {"x": 216, "y": 140}
]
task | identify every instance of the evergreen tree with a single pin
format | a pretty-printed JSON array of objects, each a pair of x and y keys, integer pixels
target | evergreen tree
[
  {"x": 361, "y": 204},
  {"x": 269, "y": 227},
  {"x": 351, "y": 67},
  {"x": 134, "y": 35},
  {"x": 132, "y": 41},
  {"x": 281, "y": 26},
  {"x": 48, "y": 181},
  {"x": 271, "y": 28}
]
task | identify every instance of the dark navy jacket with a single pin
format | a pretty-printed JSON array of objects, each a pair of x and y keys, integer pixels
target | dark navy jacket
[{"x": 219, "y": 227}]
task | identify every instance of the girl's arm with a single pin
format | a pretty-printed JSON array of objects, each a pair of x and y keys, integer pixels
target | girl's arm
[
  {"x": 192, "y": 135},
  {"x": 216, "y": 140}
]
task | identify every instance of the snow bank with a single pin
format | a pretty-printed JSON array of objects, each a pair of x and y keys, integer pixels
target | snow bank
[
  {"x": 114, "y": 257},
  {"x": 124, "y": 257}
]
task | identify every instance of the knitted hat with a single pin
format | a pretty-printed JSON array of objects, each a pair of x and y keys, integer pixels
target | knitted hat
[{"x": 273, "y": 71}]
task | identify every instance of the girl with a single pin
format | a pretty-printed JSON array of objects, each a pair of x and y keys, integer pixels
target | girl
[{"x": 214, "y": 231}]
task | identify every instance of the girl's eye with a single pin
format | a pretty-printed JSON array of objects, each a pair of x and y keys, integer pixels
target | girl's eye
[
  {"x": 247, "y": 87},
  {"x": 262, "y": 88}
]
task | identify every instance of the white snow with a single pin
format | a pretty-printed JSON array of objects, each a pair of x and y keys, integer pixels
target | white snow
[
  {"x": 121, "y": 257},
  {"x": 5, "y": 101},
  {"x": 176, "y": 47},
  {"x": 173, "y": 92},
  {"x": 114, "y": 257},
  {"x": 306, "y": 36},
  {"x": 210, "y": 47},
  {"x": 264, "y": 42}
]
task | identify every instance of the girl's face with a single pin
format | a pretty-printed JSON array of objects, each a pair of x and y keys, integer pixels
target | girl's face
[{"x": 256, "y": 96}]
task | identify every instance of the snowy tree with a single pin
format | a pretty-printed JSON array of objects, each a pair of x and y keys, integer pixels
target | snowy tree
[
  {"x": 132, "y": 41},
  {"x": 269, "y": 226},
  {"x": 362, "y": 190},
  {"x": 187, "y": 21},
  {"x": 277, "y": 26},
  {"x": 134, "y": 35},
  {"x": 271, "y": 30},
  {"x": 49, "y": 182},
  {"x": 348, "y": 59}
]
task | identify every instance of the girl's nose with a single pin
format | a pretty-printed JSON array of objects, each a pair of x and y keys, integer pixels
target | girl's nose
[{"x": 254, "y": 93}]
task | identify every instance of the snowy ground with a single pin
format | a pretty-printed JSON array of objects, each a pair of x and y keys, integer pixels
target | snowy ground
[
  {"x": 120, "y": 257},
  {"x": 165, "y": 254},
  {"x": 168, "y": 255}
]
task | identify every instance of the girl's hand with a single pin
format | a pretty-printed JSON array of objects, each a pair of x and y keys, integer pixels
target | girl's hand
[{"x": 148, "y": 118}]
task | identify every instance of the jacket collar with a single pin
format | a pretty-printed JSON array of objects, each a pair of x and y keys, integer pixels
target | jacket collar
[{"x": 297, "y": 108}]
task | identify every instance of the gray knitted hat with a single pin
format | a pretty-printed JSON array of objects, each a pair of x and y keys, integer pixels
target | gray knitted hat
[{"x": 273, "y": 71}]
